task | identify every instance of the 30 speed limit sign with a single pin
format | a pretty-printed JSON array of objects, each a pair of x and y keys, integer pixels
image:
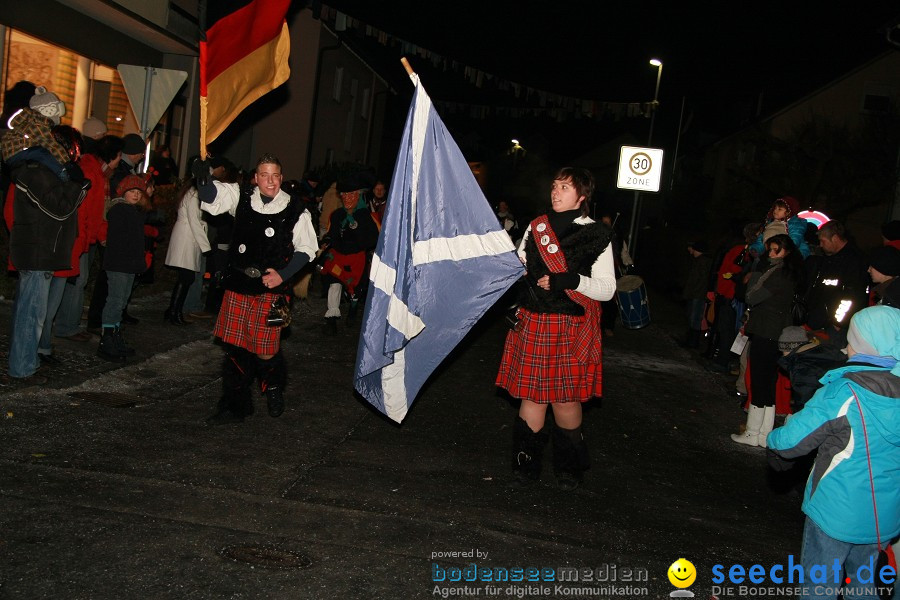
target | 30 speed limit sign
[{"x": 640, "y": 169}]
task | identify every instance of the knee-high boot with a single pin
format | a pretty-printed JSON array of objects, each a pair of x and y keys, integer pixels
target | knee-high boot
[
  {"x": 171, "y": 313},
  {"x": 237, "y": 375},
  {"x": 527, "y": 451},
  {"x": 755, "y": 417},
  {"x": 768, "y": 423},
  {"x": 178, "y": 313},
  {"x": 272, "y": 375},
  {"x": 570, "y": 457}
]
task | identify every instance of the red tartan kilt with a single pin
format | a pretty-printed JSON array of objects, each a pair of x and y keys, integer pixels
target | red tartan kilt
[
  {"x": 242, "y": 322},
  {"x": 538, "y": 363}
]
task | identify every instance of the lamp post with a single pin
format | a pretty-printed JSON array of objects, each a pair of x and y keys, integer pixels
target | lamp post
[{"x": 635, "y": 210}]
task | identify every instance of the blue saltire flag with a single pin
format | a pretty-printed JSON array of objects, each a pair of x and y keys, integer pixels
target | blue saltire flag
[{"x": 441, "y": 261}]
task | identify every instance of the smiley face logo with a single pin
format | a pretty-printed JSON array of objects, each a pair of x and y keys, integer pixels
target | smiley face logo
[{"x": 682, "y": 573}]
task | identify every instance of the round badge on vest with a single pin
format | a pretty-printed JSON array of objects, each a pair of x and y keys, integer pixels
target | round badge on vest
[
  {"x": 552, "y": 249},
  {"x": 242, "y": 248},
  {"x": 545, "y": 240},
  {"x": 269, "y": 232},
  {"x": 541, "y": 227}
]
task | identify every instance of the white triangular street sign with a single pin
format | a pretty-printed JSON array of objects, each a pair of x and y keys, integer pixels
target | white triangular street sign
[{"x": 149, "y": 105}]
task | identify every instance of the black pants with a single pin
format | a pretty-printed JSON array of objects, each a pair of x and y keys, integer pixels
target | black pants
[
  {"x": 726, "y": 320},
  {"x": 610, "y": 310},
  {"x": 98, "y": 296},
  {"x": 763, "y": 356}
]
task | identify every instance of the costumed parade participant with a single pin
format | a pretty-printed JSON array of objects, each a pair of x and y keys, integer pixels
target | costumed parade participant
[
  {"x": 352, "y": 231},
  {"x": 554, "y": 355},
  {"x": 273, "y": 239}
]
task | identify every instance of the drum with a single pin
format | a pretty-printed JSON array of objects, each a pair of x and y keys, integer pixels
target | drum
[{"x": 633, "y": 306}]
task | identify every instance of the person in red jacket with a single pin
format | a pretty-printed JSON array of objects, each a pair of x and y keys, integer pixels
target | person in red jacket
[
  {"x": 98, "y": 164},
  {"x": 734, "y": 264}
]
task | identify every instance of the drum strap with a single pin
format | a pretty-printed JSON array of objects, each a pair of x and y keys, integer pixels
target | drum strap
[{"x": 587, "y": 329}]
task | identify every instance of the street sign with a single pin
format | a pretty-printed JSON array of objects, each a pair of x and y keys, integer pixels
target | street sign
[
  {"x": 640, "y": 169},
  {"x": 150, "y": 90}
]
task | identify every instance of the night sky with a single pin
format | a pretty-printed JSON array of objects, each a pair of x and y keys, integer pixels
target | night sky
[{"x": 713, "y": 54}]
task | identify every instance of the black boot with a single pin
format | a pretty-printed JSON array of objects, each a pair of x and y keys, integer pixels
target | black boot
[
  {"x": 272, "y": 376},
  {"x": 178, "y": 315},
  {"x": 173, "y": 312},
  {"x": 528, "y": 448},
  {"x": 109, "y": 346},
  {"x": 331, "y": 325},
  {"x": 124, "y": 349},
  {"x": 712, "y": 344},
  {"x": 351, "y": 312},
  {"x": 237, "y": 375},
  {"x": 570, "y": 457}
]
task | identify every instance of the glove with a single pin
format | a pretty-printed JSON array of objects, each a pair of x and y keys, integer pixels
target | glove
[
  {"x": 200, "y": 170},
  {"x": 564, "y": 281},
  {"x": 778, "y": 462}
]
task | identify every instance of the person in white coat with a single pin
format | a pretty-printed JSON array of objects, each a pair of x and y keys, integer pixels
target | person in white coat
[{"x": 187, "y": 244}]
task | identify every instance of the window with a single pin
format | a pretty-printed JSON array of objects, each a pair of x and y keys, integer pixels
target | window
[{"x": 876, "y": 98}]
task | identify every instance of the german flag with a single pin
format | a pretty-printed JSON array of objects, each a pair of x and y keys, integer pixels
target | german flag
[{"x": 244, "y": 56}]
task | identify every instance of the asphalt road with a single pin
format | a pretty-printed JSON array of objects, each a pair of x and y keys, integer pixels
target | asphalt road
[{"x": 125, "y": 492}]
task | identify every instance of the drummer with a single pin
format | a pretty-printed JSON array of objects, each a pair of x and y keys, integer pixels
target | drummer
[{"x": 554, "y": 357}]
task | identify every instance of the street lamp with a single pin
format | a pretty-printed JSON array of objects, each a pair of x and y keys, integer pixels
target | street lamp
[
  {"x": 516, "y": 150},
  {"x": 635, "y": 210}
]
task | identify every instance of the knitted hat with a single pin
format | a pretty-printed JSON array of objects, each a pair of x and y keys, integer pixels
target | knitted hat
[
  {"x": 47, "y": 103},
  {"x": 131, "y": 182},
  {"x": 886, "y": 260},
  {"x": 133, "y": 144},
  {"x": 792, "y": 337},
  {"x": 876, "y": 331},
  {"x": 93, "y": 128},
  {"x": 792, "y": 203},
  {"x": 891, "y": 230}
]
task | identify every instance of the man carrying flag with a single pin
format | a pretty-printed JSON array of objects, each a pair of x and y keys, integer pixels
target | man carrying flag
[{"x": 441, "y": 261}]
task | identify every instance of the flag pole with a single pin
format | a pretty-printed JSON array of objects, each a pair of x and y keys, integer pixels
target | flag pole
[
  {"x": 201, "y": 5},
  {"x": 409, "y": 69}
]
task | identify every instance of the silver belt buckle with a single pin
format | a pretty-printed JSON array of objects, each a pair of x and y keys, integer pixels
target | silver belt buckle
[{"x": 252, "y": 272}]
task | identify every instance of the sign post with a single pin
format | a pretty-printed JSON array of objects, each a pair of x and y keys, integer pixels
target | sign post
[{"x": 640, "y": 169}]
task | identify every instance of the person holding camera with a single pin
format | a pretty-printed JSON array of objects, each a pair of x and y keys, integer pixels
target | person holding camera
[{"x": 273, "y": 238}]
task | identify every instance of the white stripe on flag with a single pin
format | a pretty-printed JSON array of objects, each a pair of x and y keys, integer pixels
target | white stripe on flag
[
  {"x": 461, "y": 247},
  {"x": 419, "y": 128},
  {"x": 399, "y": 316},
  {"x": 393, "y": 386}
]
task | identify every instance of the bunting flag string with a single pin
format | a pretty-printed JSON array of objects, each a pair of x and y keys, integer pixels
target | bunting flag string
[{"x": 548, "y": 103}]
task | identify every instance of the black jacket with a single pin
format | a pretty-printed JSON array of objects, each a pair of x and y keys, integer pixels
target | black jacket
[
  {"x": 125, "y": 239},
  {"x": 45, "y": 218},
  {"x": 770, "y": 303},
  {"x": 832, "y": 279}
]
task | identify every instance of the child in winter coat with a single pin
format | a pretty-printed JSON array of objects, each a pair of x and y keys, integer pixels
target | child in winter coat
[
  {"x": 782, "y": 218},
  {"x": 124, "y": 257},
  {"x": 854, "y": 422}
]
